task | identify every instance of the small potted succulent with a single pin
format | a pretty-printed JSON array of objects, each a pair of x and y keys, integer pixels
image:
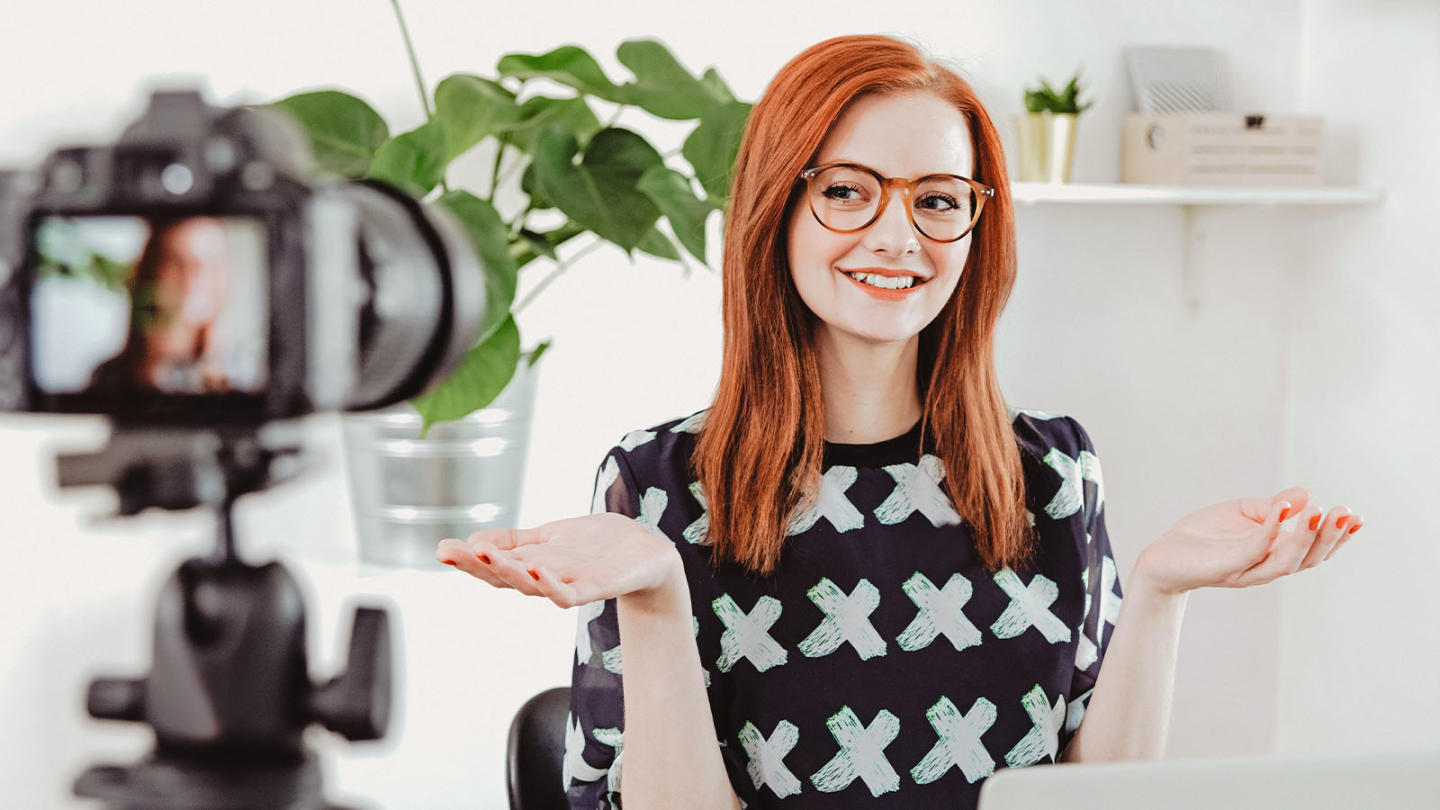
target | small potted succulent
[
  {"x": 1047, "y": 132},
  {"x": 451, "y": 461}
]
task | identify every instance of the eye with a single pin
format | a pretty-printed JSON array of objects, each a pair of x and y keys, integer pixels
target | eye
[
  {"x": 946, "y": 202},
  {"x": 839, "y": 191}
]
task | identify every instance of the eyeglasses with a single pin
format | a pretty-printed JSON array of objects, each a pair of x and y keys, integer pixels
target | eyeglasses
[{"x": 848, "y": 197}]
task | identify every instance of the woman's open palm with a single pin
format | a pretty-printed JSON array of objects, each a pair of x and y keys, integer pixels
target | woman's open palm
[{"x": 573, "y": 561}]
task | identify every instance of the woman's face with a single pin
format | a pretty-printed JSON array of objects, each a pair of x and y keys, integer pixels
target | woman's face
[{"x": 906, "y": 136}]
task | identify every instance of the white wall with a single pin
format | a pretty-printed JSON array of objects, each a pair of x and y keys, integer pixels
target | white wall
[{"x": 1238, "y": 399}]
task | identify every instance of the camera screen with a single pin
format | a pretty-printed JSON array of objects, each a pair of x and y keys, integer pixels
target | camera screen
[{"x": 134, "y": 305}]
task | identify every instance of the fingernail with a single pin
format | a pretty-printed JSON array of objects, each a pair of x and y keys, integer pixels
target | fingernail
[
  {"x": 1285, "y": 513},
  {"x": 533, "y": 575},
  {"x": 1340, "y": 522},
  {"x": 483, "y": 558},
  {"x": 1314, "y": 522},
  {"x": 1355, "y": 527},
  {"x": 448, "y": 562}
]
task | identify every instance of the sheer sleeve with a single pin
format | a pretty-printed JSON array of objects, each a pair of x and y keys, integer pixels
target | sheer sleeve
[
  {"x": 594, "y": 736},
  {"x": 1101, "y": 581}
]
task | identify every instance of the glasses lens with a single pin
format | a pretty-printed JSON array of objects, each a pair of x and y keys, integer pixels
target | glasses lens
[
  {"x": 944, "y": 207},
  {"x": 844, "y": 198}
]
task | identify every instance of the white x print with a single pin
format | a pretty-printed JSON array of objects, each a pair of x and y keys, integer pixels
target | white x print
[
  {"x": 918, "y": 488},
  {"x": 1029, "y": 605},
  {"x": 652, "y": 506},
  {"x": 831, "y": 504},
  {"x": 766, "y": 766},
  {"x": 959, "y": 742},
  {"x": 1044, "y": 736},
  {"x": 1032, "y": 412},
  {"x": 1089, "y": 650},
  {"x": 574, "y": 767},
  {"x": 615, "y": 738},
  {"x": 609, "y": 471},
  {"x": 635, "y": 438},
  {"x": 862, "y": 753},
  {"x": 1076, "y": 712},
  {"x": 847, "y": 618},
  {"x": 696, "y": 532},
  {"x": 588, "y": 612},
  {"x": 748, "y": 636},
  {"x": 1074, "y": 472},
  {"x": 941, "y": 611},
  {"x": 691, "y": 424}
]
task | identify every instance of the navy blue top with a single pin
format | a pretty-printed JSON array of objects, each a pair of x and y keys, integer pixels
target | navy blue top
[{"x": 882, "y": 665}]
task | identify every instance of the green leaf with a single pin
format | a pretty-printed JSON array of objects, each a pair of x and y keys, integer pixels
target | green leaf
[
  {"x": 716, "y": 87},
  {"x": 528, "y": 185},
  {"x": 670, "y": 191},
  {"x": 471, "y": 108},
  {"x": 656, "y": 243},
  {"x": 538, "y": 350},
  {"x": 491, "y": 237},
  {"x": 529, "y": 247},
  {"x": 413, "y": 161},
  {"x": 569, "y": 65},
  {"x": 344, "y": 131},
  {"x": 482, "y": 375},
  {"x": 539, "y": 112},
  {"x": 600, "y": 192},
  {"x": 711, "y": 148},
  {"x": 663, "y": 87}
]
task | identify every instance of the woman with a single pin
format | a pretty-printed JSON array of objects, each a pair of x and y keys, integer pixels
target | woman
[{"x": 860, "y": 579}]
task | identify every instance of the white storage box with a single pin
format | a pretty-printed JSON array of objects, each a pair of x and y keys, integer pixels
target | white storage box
[{"x": 1222, "y": 148}]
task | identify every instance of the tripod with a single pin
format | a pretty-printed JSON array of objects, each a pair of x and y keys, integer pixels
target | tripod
[{"x": 229, "y": 695}]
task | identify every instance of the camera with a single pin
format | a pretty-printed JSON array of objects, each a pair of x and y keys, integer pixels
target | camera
[
  {"x": 197, "y": 283},
  {"x": 195, "y": 273}
]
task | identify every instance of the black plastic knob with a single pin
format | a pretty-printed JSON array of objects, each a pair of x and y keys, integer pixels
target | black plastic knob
[
  {"x": 116, "y": 699},
  {"x": 356, "y": 703}
]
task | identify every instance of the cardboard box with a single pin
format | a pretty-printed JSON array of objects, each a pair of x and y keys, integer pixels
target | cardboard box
[{"x": 1222, "y": 148}]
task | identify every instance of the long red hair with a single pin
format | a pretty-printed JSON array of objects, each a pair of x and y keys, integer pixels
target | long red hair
[{"x": 758, "y": 454}]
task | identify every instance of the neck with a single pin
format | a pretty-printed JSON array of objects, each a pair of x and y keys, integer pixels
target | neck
[{"x": 869, "y": 387}]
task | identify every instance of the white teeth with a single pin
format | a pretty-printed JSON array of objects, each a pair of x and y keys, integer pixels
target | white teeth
[{"x": 884, "y": 282}]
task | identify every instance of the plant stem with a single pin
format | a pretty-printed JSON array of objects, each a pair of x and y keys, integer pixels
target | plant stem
[
  {"x": 561, "y": 266},
  {"x": 495, "y": 172},
  {"x": 616, "y": 116},
  {"x": 415, "y": 69}
]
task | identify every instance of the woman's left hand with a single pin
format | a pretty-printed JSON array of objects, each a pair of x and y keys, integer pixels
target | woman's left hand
[{"x": 1239, "y": 543}]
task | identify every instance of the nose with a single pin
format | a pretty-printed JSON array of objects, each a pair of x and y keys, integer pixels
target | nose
[{"x": 892, "y": 233}]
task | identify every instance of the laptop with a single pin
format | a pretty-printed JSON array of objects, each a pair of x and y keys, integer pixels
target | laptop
[{"x": 1398, "y": 781}]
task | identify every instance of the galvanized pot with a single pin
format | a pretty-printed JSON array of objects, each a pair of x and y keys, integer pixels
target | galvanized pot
[{"x": 408, "y": 493}]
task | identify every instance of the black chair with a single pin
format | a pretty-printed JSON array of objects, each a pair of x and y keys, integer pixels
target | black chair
[{"x": 535, "y": 753}]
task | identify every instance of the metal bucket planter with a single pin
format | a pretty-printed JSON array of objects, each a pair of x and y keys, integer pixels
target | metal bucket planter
[{"x": 408, "y": 493}]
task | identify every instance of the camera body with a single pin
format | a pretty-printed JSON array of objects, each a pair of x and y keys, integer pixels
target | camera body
[{"x": 195, "y": 273}]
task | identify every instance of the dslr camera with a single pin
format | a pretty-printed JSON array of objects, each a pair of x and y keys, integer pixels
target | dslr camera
[{"x": 197, "y": 283}]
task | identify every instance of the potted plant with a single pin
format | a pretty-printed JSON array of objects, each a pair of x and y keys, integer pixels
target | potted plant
[
  {"x": 441, "y": 466},
  {"x": 1047, "y": 132}
]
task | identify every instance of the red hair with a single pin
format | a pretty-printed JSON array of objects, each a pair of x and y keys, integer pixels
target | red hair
[{"x": 759, "y": 452}]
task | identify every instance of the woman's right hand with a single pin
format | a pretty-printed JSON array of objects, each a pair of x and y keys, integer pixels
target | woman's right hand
[{"x": 571, "y": 562}]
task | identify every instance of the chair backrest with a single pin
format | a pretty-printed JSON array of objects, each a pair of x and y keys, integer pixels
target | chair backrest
[{"x": 535, "y": 753}]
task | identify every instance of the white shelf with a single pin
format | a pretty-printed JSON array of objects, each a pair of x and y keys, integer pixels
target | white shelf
[{"x": 1132, "y": 194}]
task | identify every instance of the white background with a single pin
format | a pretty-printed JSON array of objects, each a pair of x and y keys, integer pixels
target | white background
[{"x": 1311, "y": 361}]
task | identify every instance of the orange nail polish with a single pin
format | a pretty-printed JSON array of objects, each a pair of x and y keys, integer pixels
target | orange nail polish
[
  {"x": 483, "y": 558},
  {"x": 1354, "y": 528},
  {"x": 1314, "y": 522},
  {"x": 1340, "y": 521},
  {"x": 533, "y": 575},
  {"x": 1284, "y": 513},
  {"x": 448, "y": 562}
]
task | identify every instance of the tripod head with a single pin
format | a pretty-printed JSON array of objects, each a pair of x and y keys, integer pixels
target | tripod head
[{"x": 229, "y": 695}]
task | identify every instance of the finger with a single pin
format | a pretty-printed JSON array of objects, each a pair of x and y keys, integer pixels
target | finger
[
  {"x": 1328, "y": 533},
  {"x": 506, "y": 537},
  {"x": 1351, "y": 528},
  {"x": 1286, "y": 549},
  {"x": 559, "y": 592},
  {"x": 511, "y": 571},
  {"x": 453, "y": 552}
]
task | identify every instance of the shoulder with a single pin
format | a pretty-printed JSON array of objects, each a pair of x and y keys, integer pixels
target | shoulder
[
  {"x": 1041, "y": 432},
  {"x": 661, "y": 451}
]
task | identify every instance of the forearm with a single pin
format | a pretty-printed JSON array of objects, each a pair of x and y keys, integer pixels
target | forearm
[
  {"x": 1128, "y": 714},
  {"x": 672, "y": 757}
]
